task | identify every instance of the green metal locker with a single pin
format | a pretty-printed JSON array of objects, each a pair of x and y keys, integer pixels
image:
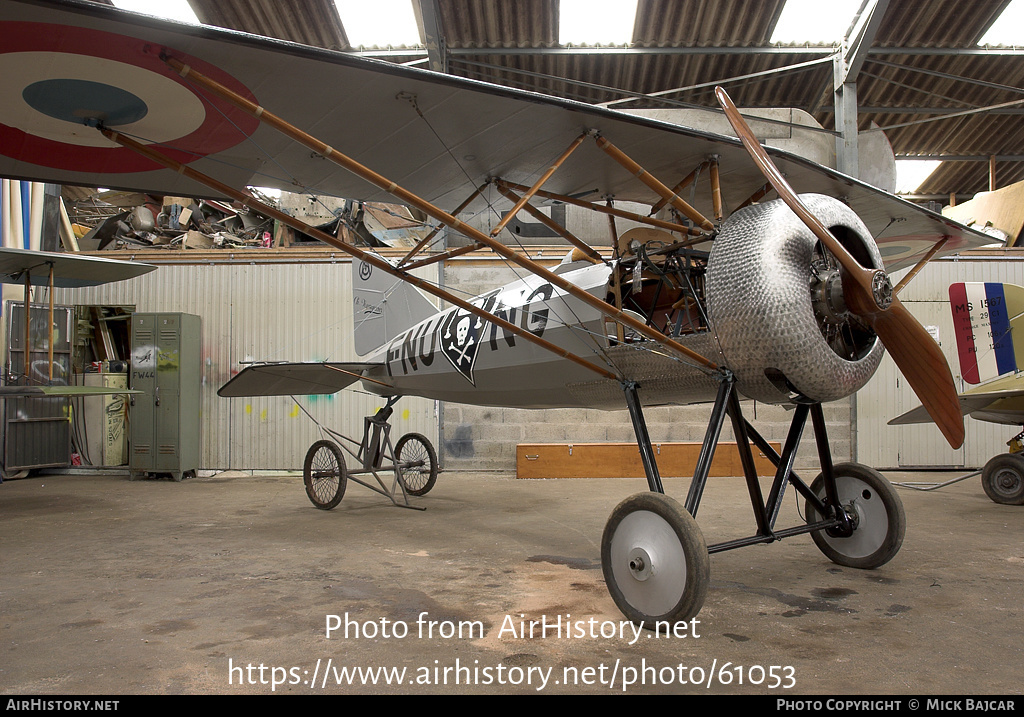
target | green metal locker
[{"x": 165, "y": 421}]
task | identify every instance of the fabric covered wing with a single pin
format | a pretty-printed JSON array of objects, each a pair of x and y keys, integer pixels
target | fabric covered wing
[
  {"x": 292, "y": 379},
  {"x": 436, "y": 135},
  {"x": 69, "y": 271}
]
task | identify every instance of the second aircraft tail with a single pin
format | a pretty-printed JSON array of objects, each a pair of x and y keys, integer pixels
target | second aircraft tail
[{"x": 988, "y": 320}]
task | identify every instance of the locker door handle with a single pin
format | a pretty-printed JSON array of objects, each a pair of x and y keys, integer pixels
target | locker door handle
[{"x": 157, "y": 395}]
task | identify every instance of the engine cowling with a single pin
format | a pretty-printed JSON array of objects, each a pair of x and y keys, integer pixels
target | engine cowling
[{"x": 775, "y": 303}]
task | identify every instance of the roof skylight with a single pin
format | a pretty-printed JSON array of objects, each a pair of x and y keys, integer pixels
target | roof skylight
[
  {"x": 596, "y": 22},
  {"x": 178, "y": 10},
  {"x": 381, "y": 23},
  {"x": 912, "y": 173},
  {"x": 1005, "y": 30},
  {"x": 814, "y": 22}
]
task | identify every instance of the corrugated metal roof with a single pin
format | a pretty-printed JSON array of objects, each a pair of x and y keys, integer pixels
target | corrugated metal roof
[{"x": 681, "y": 44}]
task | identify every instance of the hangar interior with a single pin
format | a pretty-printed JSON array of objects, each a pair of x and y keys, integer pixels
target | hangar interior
[
  {"x": 919, "y": 77},
  {"x": 898, "y": 85}
]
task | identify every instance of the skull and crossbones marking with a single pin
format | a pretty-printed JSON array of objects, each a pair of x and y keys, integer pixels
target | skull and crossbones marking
[{"x": 463, "y": 340}]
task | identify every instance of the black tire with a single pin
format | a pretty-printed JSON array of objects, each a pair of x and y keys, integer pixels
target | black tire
[
  {"x": 417, "y": 463},
  {"x": 879, "y": 520},
  {"x": 1003, "y": 479},
  {"x": 655, "y": 561},
  {"x": 324, "y": 474}
]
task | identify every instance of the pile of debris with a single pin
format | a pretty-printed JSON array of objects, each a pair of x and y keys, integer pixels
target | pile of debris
[
  {"x": 116, "y": 220},
  {"x": 111, "y": 220}
]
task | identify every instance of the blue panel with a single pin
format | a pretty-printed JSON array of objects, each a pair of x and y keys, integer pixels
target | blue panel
[
  {"x": 26, "y": 214},
  {"x": 1002, "y": 341},
  {"x": 78, "y": 101}
]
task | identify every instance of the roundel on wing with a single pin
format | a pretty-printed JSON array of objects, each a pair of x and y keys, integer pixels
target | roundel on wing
[{"x": 59, "y": 82}]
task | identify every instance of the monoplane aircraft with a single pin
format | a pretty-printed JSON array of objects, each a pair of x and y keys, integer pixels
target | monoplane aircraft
[{"x": 715, "y": 297}]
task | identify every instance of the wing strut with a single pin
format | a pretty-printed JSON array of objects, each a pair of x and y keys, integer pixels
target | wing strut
[
  {"x": 920, "y": 265},
  {"x": 592, "y": 254},
  {"x": 683, "y": 184},
  {"x": 368, "y": 257},
  {"x": 433, "y": 233},
  {"x": 609, "y": 210},
  {"x": 411, "y": 199},
  {"x": 537, "y": 185},
  {"x": 647, "y": 178}
]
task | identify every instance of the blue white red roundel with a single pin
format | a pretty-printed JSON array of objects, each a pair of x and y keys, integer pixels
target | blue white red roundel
[{"x": 61, "y": 81}]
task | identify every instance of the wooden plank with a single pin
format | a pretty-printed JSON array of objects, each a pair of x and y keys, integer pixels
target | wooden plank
[{"x": 622, "y": 460}]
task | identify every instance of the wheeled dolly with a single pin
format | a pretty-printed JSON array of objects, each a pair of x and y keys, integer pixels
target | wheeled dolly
[{"x": 412, "y": 460}]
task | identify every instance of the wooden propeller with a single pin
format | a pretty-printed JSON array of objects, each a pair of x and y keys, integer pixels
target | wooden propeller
[{"x": 868, "y": 294}]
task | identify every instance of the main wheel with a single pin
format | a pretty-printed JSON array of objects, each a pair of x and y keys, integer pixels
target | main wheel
[
  {"x": 417, "y": 462},
  {"x": 876, "y": 511},
  {"x": 1003, "y": 479},
  {"x": 324, "y": 474},
  {"x": 655, "y": 560}
]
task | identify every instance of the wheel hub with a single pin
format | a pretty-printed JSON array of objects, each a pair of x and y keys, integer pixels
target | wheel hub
[
  {"x": 640, "y": 566},
  {"x": 849, "y": 517},
  {"x": 1007, "y": 480}
]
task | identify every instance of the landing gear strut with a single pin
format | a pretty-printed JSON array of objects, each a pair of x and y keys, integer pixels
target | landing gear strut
[{"x": 655, "y": 560}]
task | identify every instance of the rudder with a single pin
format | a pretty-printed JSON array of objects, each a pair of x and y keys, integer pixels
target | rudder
[
  {"x": 989, "y": 328},
  {"x": 383, "y": 306}
]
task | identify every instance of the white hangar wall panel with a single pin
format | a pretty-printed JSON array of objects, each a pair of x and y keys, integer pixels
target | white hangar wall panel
[
  {"x": 887, "y": 394},
  {"x": 264, "y": 312}
]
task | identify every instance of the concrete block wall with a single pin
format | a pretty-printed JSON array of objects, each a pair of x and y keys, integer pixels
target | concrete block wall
[{"x": 485, "y": 438}]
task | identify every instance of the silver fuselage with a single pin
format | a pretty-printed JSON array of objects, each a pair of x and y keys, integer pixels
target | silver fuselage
[{"x": 455, "y": 356}]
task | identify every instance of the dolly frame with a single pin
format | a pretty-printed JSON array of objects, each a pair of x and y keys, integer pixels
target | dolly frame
[{"x": 375, "y": 453}]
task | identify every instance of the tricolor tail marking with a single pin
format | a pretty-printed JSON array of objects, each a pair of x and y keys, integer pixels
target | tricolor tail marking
[{"x": 984, "y": 315}]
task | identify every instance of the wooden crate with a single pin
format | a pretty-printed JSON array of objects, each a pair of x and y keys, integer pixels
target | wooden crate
[{"x": 622, "y": 460}]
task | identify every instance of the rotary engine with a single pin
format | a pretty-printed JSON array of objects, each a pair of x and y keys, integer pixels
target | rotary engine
[{"x": 775, "y": 303}]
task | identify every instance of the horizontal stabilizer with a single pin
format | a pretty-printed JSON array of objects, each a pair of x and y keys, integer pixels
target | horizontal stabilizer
[
  {"x": 969, "y": 403},
  {"x": 61, "y": 391},
  {"x": 69, "y": 271},
  {"x": 293, "y": 379}
]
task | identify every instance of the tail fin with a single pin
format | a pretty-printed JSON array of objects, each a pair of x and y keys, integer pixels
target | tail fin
[
  {"x": 383, "y": 306},
  {"x": 988, "y": 320}
]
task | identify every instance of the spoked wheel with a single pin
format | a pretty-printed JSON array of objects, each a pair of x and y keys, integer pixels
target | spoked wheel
[
  {"x": 876, "y": 513},
  {"x": 655, "y": 560},
  {"x": 417, "y": 463},
  {"x": 324, "y": 474},
  {"x": 1003, "y": 479}
]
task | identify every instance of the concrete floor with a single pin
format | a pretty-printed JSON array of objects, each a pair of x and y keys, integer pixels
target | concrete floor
[{"x": 225, "y": 584}]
